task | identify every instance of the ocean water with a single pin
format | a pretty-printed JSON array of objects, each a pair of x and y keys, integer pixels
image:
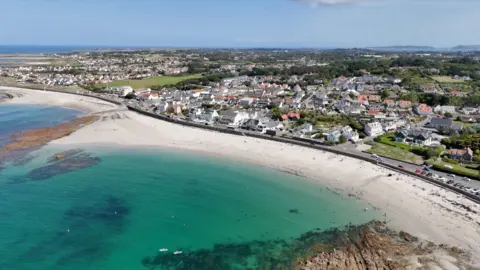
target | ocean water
[
  {"x": 118, "y": 212},
  {"x": 46, "y": 49},
  {"x": 14, "y": 118}
]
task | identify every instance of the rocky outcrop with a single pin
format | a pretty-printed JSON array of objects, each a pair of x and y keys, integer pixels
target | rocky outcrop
[
  {"x": 377, "y": 248},
  {"x": 39, "y": 137}
]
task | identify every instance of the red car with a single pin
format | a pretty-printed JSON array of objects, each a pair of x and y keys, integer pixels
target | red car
[
  {"x": 417, "y": 171},
  {"x": 400, "y": 166},
  {"x": 423, "y": 173}
]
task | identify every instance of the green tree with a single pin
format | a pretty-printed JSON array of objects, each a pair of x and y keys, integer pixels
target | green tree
[
  {"x": 447, "y": 114},
  {"x": 342, "y": 139}
]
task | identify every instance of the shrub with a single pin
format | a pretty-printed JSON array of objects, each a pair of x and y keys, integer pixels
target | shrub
[{"x": 449, "y": 160}]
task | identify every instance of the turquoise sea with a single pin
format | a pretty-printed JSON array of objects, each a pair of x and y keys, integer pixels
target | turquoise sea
[{"x": 118, "y": 212}]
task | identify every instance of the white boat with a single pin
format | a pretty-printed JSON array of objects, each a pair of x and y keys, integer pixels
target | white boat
[
  {"x": 177, "y": 252},
  {"x": 163, "y": 249}
]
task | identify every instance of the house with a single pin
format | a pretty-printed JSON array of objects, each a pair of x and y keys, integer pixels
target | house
[
  {"x": 233, "y": 118},
  {"x": 373, "y": 129},
  {"x": 293, "y": 116},
  {"x": 429, "y": 89},
  {"x": 362, "y": 99},
  {"x": 461, "y": 154},
  {"x": 444, "y": 109},
  {"x": 418, "y": 137},
  {"x": 444, "y": 124},
  {"x": 121, "y": 91},
  {"x": 244, "y": 102},
  {"x": 423, "y": 109},
  {"x": 375, "y": 98},
  {"x": 206, "y": 116},
  {"x": 389, "y": 102},
  {"x": 456, "y": 93},
  {"x": 334, "y": 136},
  {"x": 389, "y": 126},
  {"x": 350, "y": 134},
  {"x": 469, "y": 110},
  {"x": 342, "y": 104},
  {"x": 404, "y": 104}
]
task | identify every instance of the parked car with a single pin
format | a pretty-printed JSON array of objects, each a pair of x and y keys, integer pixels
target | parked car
[
  {"x": 450, "y": 182},
  {"x": 417, "y": 171},
  {"x": 429, "y": 174},
  {"x": 452, "y": 175},
  {"x": 400, "y": 166},
  {"x": 467, "y": 179},
  {"x": 423, "y": 173}
]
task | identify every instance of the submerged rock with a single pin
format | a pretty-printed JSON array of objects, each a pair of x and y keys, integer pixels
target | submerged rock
[
  {"x": 63, "y": 155},
  {"x": 71, "y": 160}
]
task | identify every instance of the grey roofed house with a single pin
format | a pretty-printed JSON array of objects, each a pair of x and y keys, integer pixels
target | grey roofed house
[{"x": 441, "y": 123}]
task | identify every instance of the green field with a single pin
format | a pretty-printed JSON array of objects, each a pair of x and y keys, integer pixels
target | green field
[
  {"x": 456, "y": 169},
  {"x": 446, "y": 79},
  {"x": 395, "y": 153},
  {"x": 149, "y": 82}
]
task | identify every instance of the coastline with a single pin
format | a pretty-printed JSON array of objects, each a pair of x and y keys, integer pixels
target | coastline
[
  {"x": 87, "y": 105},
  {"x": 412, "y": 205}
]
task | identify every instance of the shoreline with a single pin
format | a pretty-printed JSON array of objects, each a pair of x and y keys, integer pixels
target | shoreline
[
  {"x": 87, "y": 105},
  {"x": 420, "y": 208}
]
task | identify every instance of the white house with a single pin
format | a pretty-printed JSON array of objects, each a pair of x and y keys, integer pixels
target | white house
[
  {"x": 469, "y": 110},
  {"x": 207, "y": 116},
  {"x": 334, "y": 136},
  {"x": 389, "y": 126},
  {"x": 234, "y": 118},
  {"x": 350, "y": 134},
  {"x": 120, "y": 90},
  {"x": 373, "y": 129},
  {"x": 444, "y": 109}
]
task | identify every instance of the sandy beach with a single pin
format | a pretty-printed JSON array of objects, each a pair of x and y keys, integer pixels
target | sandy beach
[
  {"x": 410, "y": 204},
  {"x": 85, "y": 104}
]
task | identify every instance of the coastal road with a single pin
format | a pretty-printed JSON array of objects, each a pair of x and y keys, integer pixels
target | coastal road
[{"x": 349, "y": 147}]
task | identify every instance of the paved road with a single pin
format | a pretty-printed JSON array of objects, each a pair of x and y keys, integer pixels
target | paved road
[{"x": 349, "y": 147}]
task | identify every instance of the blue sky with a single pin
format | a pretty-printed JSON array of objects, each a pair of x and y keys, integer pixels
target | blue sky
[{"x": 240, "y": 23}]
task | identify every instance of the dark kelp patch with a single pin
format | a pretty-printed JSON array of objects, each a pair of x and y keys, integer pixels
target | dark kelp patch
[
  {"x": 69, "y": 162},
  {"x": 369, "y": 246}
]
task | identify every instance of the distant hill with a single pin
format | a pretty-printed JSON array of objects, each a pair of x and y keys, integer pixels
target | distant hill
[
  {"x": 466, "y": 47},
  {"x": 403, "y": 48}
]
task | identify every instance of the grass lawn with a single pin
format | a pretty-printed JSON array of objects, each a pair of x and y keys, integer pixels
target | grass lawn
[
  {"x": 446, "y": 79},
  {"x": 395, "y": 153},
  {"x": 464, "y": 124},
  {"x": 148, "y": 82},
  {"x": 457, "y": 169}
]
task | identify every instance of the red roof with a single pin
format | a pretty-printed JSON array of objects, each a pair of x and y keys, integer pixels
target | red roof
[
  {"x": 293, "y": 115},
  {"x": 455, "y": 92}
]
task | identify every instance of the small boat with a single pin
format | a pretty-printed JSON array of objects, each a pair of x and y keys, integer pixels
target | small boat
[
  {"x": 163, "y": 249},
  {"x": 177, "y": 252}
]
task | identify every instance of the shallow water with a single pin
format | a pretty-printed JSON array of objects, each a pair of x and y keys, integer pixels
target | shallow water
[
  {"x": 14, "y": 118},
  {"x": 117, "y": 212}
]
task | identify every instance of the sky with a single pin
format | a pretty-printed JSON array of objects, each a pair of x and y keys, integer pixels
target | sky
[{"x": 240, "y": 23}]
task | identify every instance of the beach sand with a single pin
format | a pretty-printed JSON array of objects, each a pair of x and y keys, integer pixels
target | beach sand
[
  {"x": 412, "y": 205},
  {"x": 85, "y": 104}
]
